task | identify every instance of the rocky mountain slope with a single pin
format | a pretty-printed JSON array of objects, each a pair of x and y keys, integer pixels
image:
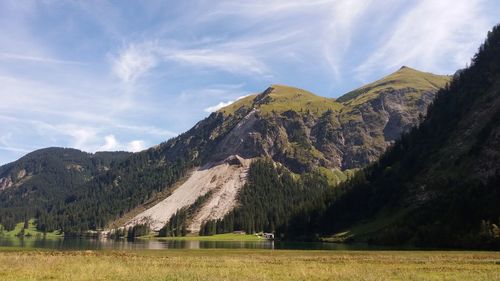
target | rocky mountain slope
[{"x": 294, "y": 127}]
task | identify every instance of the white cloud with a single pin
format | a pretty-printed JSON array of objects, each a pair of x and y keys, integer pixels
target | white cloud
[
  {"x": 217, "y": 106},
  {"x": 221, "y": 105},
  {"x": 110, "y": 143},
  {"x": 136, "y": 146},
  {"x": 134, "y": 61}
]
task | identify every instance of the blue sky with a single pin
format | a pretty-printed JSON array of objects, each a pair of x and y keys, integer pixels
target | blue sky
[{"x": 126, "y": 75}]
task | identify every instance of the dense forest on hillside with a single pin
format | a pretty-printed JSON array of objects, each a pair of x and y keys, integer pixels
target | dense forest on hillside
[
  {"x": 440, "y": 183},
  {"x": 112, "y": 194},
  {"x": 42, "y": 178}
]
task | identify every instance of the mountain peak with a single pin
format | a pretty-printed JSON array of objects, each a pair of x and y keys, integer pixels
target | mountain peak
[
  {"x": 279, "y": 98},
  {"x": 404, "y": 78}
]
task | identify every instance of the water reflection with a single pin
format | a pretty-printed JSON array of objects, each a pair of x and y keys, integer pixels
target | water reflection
[{"x": 138, "y": 244}]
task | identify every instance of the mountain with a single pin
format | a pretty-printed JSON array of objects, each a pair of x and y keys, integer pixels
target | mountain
[
  {"x": 439, "y": 185},
  {"x": 204, "y": 170}
]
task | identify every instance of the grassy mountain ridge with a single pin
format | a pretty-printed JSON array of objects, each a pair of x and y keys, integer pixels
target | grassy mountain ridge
[{"x": 278, "y": 99}]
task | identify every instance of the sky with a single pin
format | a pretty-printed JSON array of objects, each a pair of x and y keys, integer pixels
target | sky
[{"x": 127, "y": 75}]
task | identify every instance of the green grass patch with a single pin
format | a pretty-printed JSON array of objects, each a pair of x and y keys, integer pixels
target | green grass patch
[
  {"x": 362, "y": 230},
  {"x": 31, "y": 231}
]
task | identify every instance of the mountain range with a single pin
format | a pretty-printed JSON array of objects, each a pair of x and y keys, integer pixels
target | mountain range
[{"x": 290, "y": 161}]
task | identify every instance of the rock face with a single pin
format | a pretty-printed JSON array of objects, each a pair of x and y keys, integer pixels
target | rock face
[{"x": 5, "y": 183}]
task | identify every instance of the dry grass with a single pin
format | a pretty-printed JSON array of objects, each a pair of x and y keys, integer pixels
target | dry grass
[{"x": 247, "y": 265}]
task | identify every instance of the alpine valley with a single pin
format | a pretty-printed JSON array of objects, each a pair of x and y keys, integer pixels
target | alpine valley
[{"x": 412, "y": 158}]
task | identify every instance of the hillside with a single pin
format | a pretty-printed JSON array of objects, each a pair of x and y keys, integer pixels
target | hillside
[
  {"x": 303, "y": 132},
  {"x": 47, "y": 176},
  {"x": 439, "y": 184}
]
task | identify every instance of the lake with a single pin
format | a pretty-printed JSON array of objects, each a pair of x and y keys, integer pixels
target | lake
[{"x": 146, "y": 244}]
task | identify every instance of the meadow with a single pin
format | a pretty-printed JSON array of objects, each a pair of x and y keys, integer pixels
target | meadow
[
  {"x": 30, "y": 231},
  {"x": 219, "y": 264}
]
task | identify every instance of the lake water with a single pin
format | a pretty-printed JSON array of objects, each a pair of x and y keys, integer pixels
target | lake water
[{"x": 123, "y": 244}]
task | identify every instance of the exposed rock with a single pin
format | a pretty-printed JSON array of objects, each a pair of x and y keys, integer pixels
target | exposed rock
[
  {"x": 21, "y": 174},
  {"x": 5, "y": 183},
  {"x": 74, "y": 167}
]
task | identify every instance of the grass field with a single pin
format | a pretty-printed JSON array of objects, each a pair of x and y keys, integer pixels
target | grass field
[
  {"x": 17, "y": 264},
  {"x": 30, "y": 231}
]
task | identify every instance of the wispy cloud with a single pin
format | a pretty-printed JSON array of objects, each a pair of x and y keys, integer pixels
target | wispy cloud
[
  {"x": 220, "y": 60},
  {"x": 37, "y": 59},
  {"x": 6, "y": 145},
  {"x": 450, "y": 38},
  {"x": 135, "y": 61},
  {"x": 14, "y": 149}
]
